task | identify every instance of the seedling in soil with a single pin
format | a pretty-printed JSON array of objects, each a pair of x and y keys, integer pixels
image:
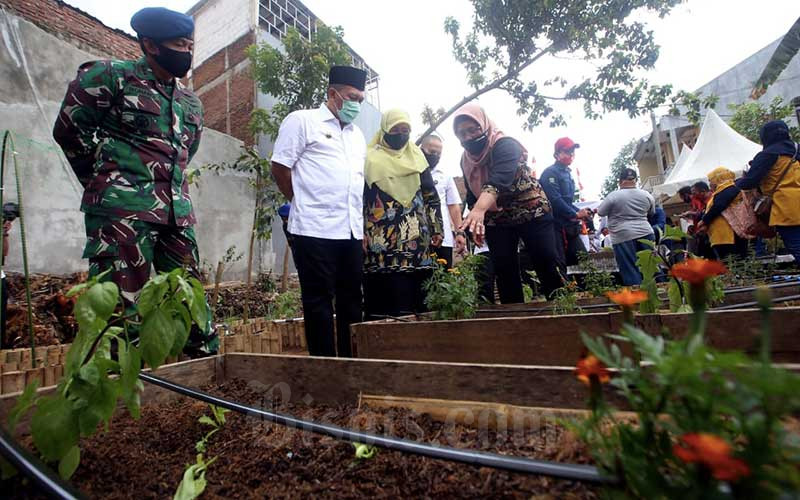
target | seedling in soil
[
  {"x": 216, "y": 423},
  {"x": 364, "y": 451},
  {"x": 194, "y": 480}
]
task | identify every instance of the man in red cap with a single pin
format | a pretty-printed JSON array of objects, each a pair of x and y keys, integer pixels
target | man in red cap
[{"x": 560, "y": 188}]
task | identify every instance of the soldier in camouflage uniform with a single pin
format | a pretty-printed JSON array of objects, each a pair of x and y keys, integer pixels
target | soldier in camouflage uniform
[{"x": 129, "y": 129}]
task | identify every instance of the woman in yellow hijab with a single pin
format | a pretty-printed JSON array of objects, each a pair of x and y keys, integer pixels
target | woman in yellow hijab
[
  {"x": 402, "y": 218},
  {"x": 724, "y": 240}
]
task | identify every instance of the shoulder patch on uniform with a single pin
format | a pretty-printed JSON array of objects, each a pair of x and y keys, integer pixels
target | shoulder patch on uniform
[{"x": 552, "y": 179}]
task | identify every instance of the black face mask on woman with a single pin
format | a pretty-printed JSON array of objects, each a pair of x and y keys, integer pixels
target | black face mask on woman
[
  {"x": 475, "y": 146},
  {"x": 396, "y": 141},
  {"x": 175, "y": 62}
]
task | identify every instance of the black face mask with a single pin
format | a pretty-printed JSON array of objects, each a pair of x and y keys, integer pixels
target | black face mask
[
  {"x": 475, "y": 146},
  {"x": 433, "y": 159},
  {"x": 176, "y": 63},
  {"x": 396, "y": 141}
]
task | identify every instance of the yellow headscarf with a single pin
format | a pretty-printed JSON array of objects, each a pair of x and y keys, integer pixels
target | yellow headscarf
[
  {"x": 722, "y": 178},
  {"x": 395, "y": 172}
]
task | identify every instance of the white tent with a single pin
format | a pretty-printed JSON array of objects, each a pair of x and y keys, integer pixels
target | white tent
[{"x": 717, "y": 146}]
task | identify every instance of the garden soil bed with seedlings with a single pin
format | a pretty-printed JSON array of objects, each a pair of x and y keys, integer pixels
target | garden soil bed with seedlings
[{"x": 146, "y": 458}]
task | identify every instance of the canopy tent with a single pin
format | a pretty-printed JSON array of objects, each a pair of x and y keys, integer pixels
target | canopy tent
[{"x": 717, "y": 146}]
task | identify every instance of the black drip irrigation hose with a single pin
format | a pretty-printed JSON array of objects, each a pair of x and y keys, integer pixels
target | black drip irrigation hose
[
  {"x": 586, "y": 473},
  {"x": 47, "y": 482}
]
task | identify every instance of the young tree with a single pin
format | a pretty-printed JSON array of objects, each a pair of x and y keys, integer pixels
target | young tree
[
  {"x": 623, "y": 160},
  {"x": 509, "y": 36},
  {"x": 748, "y": 117},
  {"x": 297, "y": 77}
]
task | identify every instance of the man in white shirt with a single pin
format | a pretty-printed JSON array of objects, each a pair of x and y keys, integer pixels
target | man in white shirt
[
  {"x": 318, "y": 164},
  {"x": 448, "y": 195}
]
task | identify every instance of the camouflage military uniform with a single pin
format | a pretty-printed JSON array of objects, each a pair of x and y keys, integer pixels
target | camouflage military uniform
[{"x": 129, "y": 139}]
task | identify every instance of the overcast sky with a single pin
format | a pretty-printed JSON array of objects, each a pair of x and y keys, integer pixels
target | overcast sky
[{"x": 406, "y": 44}]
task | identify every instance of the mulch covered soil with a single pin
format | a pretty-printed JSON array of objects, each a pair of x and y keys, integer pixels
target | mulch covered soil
[{"x": 146, "y": 458}]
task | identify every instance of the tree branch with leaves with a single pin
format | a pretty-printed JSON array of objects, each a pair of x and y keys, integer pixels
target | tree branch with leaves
[{"x": 510, "y": 36}]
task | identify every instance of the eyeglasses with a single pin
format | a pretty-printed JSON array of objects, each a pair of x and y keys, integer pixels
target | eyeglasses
[{"x": 471, "y": 131}]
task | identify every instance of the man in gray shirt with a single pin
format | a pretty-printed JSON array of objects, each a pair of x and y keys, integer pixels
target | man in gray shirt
[{"x": 627, "y": 209}]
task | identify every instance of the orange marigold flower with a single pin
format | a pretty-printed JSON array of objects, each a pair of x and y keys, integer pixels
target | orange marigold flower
[
  {"x": 588, "y": 367},
  {"x": 712, "y": 452},
  {"x": 697, "y": 271},
  {"x": 627, "y": 297},
  {"x": 441, "y": 261}
]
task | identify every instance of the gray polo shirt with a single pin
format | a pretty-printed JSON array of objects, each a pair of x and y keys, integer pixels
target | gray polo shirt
[{"x": 627, "y": 210}]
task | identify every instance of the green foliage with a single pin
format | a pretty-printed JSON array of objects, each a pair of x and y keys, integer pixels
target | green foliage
[
  {"x": 748, "y": 271},
  {"x": 647, "y": 261},
  {"x": 748, "y": 117},
  {"x": 786, "y": 50},
  {"x": 509, "y": 36},
  {"x": 430, "y": 116},
  {"x": 691, "y": 105},
  {"x": 286, "y": 305},
  {"x": 623, "y": 160},
  {"x": 565, "y": 300},
  {"x": 453, "y": 293},
  {"x": 596, "y": 281},
  {"x": 678, "y": 388},
  {"x": 93, "y": 381},
  {"x": 215, "y": 421},
  {"x": 364, "y": 451},
  {"x": 268, "y": 197},
  {"x": 527, "y": 292},
  {"x": 194, "y": 479},
  {"x": 297, "y": 76}
]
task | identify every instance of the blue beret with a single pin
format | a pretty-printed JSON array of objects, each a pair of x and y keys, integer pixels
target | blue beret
[{"x": 158, "y": 23}]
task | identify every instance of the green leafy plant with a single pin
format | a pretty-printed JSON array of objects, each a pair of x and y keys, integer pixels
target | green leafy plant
[
  {"x": 749, "y": 117},
  {"x": 364, "y": 451},
  {"x": 215, "y": 421},
  {"x": 649, "y": 262},
  {"x": 193, "y": 482},
  {"x": 194, "y": 479},
  {"x": 453, "y": 293},
  {"x": 565, "y": 300},
  {"x": 286, "y": 305},
  {"x": 596, "y": 281},
  {"x": 94, "y": 381},
  {"x": 710, "y": 424}
]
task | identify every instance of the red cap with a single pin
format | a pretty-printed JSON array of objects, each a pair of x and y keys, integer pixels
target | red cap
[{"x": 566, "y": 144}]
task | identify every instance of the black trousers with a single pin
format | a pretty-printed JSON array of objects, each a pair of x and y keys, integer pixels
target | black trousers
[
  {"x": 446, "y": 253},
  {"x": 738, "y": 249},
  {"x": 539, "y": 243},
  {"x": 328, "y": 270},
  {"x": 486, "y": 278},
  {"x": 394, "y": 294},
  {"x": 567, "y": 248}
]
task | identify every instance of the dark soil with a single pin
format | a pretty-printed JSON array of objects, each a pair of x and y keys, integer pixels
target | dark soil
[{"x": 146, "y": 458}]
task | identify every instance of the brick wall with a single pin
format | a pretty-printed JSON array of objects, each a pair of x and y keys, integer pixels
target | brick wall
[
  {"x": 228, "y": 92},
  {"x": 76, "y": 27},
  {"x": 217, "y": 23}
]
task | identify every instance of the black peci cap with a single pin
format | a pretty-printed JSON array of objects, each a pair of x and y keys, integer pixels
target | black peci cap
[{"x": 347, "y": 75}]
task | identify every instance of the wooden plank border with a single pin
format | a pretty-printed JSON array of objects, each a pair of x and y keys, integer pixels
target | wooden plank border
[{"x": 555, "y": 340}]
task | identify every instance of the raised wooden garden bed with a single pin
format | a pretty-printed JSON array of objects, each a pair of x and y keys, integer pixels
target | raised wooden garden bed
[
  {"x": 146, "y": 458},
  {"x": 555, "y": 340}
]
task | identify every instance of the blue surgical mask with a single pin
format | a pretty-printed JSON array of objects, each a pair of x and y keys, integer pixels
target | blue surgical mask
[{"x": 349, "y": 110}]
